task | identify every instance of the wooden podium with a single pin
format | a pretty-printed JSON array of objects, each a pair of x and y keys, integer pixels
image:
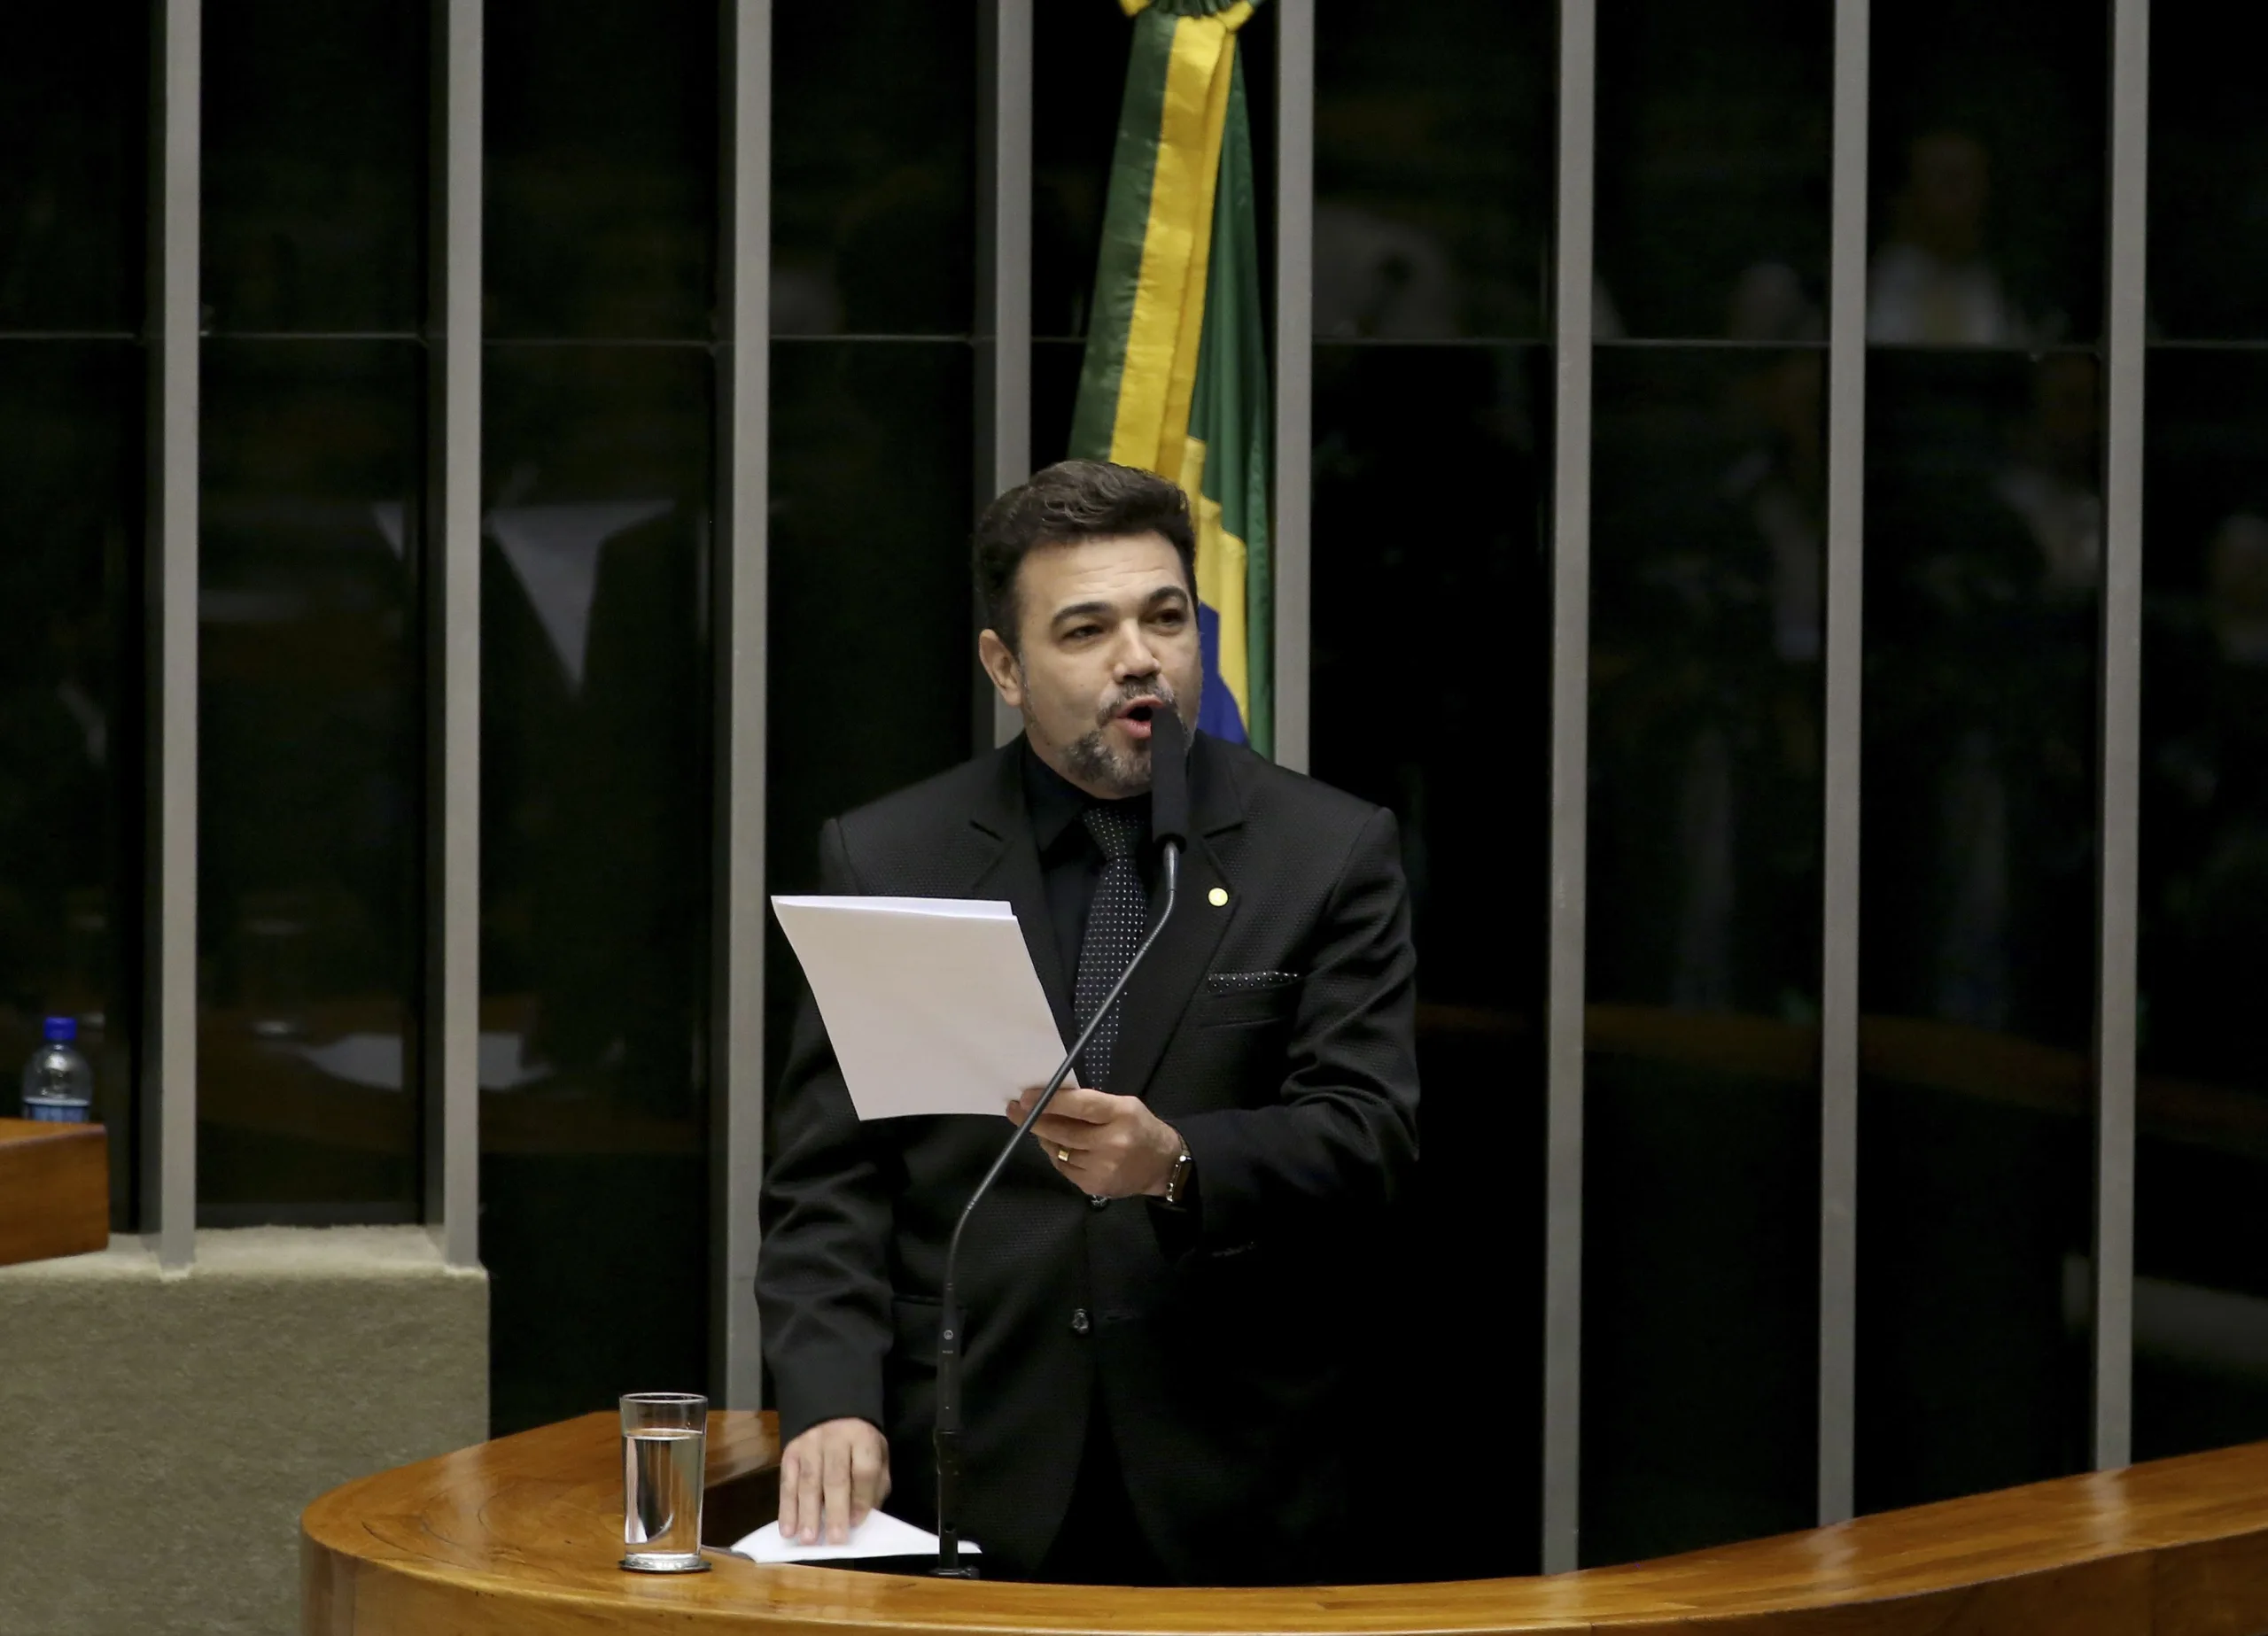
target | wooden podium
[{"x": 522, "y": 1535}]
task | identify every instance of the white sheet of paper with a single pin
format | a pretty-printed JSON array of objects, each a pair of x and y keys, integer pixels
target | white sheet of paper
[
  {"x": 880, "y": 1535},
  {"x": 931, "y": 1003}
]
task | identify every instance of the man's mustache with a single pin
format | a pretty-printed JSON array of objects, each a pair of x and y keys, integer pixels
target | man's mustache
[{"x": 1159, "y": 693}]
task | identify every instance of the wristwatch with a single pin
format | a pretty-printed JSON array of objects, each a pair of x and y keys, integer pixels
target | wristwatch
[{"x": 1177, "y": 1178}]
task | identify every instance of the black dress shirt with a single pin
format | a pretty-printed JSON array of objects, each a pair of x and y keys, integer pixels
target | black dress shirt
[{"x": 1070, "y": 863}]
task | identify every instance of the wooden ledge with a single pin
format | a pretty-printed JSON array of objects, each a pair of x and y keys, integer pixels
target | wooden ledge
[
  {"x": 521, "y": 1534},
  {"x": 54, "y": 1190}
]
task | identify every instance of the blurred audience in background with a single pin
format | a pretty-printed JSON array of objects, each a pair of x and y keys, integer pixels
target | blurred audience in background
[{"x": 1933, "y": 282}]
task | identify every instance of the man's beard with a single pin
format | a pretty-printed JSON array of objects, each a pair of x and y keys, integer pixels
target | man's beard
[{"x": 1098, "y": 763}]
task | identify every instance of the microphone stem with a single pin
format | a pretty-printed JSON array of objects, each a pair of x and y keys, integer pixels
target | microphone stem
[{"x": 949, "y": 1334}]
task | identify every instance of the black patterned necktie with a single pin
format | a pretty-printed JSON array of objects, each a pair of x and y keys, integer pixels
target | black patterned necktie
[{"x": 1115, "y": 922}]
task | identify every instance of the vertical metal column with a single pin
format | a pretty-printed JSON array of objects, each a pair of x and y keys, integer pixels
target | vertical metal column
[
  {"x": 1838, "y": 966},
  {"x": 1294, "y": 439},
  {"x": 1571, "y": 559},
  {"x": 1003, "y": 333},
  {"x": 451, "y": 1040},
  {"x": 739, "y": 610},
  {"x": 2120, "y": 741},
  {"x": 168, "y": 1055}
]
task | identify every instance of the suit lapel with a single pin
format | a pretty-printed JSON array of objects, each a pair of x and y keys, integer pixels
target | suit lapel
[
  {"x": 1161, "y": 990},
  {"x": 1010, "y": 871}
]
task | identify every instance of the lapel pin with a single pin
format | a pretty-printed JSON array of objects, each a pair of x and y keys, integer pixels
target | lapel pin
[{"x": 1218, "y": 896}]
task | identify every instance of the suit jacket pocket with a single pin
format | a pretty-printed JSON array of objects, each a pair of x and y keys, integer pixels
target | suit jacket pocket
[
  {"x": 913, "y": 1330},
  {"x": 1241, "y": 983},
  {"x": 1247, "y": 998}
]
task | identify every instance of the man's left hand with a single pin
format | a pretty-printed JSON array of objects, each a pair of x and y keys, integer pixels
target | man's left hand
[{"x": 1111, "y": 1147}]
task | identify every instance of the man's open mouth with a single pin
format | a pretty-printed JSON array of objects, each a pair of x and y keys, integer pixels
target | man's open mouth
[{"x": 1138, "y": 718}]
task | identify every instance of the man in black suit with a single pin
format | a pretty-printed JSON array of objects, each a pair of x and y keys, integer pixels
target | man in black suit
[{"x": 1161, "y": 1293}]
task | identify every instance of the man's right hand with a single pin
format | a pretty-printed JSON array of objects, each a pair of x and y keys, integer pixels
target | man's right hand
[{"x": 831, "y": 1477}]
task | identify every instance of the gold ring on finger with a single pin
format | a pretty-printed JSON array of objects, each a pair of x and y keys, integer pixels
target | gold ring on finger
[{"x": 1062, "y": 1155}]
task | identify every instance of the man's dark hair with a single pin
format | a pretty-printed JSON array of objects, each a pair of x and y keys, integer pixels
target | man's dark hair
[{"x": 1069, "y": 502}]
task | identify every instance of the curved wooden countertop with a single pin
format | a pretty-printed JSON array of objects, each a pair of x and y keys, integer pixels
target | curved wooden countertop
[{"x": 522, "y": 1535}]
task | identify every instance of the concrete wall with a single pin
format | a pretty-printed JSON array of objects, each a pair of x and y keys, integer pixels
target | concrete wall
[{"x": 159, "y": 1433}]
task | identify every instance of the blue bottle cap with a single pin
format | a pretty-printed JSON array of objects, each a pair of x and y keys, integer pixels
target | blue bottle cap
[{"x": 62, "y": 1030}]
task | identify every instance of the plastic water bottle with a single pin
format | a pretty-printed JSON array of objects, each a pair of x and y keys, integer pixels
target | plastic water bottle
[{"x": 58, "y": 1086}]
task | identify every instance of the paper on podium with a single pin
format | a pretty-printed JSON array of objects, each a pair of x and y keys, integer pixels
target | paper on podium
[
  {"x": 878, "y": 1536},
  {"x": 931, "y": 1003}
]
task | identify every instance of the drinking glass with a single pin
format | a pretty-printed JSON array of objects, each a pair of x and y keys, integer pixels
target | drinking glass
[{"x": 664, "y": 1447}]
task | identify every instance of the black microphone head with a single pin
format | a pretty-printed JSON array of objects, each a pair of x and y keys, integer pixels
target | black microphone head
[{"x": 1168, "y": 778}]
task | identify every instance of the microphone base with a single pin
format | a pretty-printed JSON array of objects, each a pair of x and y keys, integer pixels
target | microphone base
[{"x": 967, "y": 1570}]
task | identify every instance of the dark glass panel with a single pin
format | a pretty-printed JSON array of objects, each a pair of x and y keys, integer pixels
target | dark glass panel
[
  {"x": 75, "y": 96},
  {"x": 1432, "y": 686},
  {"x": 70, "y": 716},
  {"x": 309, "y": 765},
  {"x": 1055, "y": 398},
  {"x": 1983, "y": 547},
  {"x": 2208, "y": 175},
  {"x": 1701, "y": 1098},
  {"x": 313, "y": 165},
  {"x": 595, "y": 875},
  {"x": 2201, "y": 1293},
  {"x": 872, "y": 651},
  {"x": 1988, "y": 132},
  {"x": 1081, "y": 55},
  {"x": 874, "y": 198},
  {"x": 1713, "y": 127},
  {"x": 602, "y": 140},
  {"x": 1433, "y": 169}
]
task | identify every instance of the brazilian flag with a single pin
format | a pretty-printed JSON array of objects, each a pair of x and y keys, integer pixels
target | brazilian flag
[{"x": 1176, "y": 375}]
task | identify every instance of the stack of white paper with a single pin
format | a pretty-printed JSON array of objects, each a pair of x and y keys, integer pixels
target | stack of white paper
[
  {"x": 878, "y": 1536},
  {"x": 931, "y": 1003}
]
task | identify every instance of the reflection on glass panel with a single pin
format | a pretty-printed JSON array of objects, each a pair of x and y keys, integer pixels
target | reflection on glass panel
[
  {"x": 1988, "y": 132},
  {"x": 1080, "y": 52},
  {"x": 595, "y": 873},
  {"x": 873, "y": 124},
  {"x": 2200, "y": 1294},
  {"x": 1984, "y": 554},
  {"x": 75, "y": 91},
  {"x": 601, "y": 146},
  {"x": 308, "y": 804},
  {"x": 313, "y": 165},
  {"x": 871, "y": 651},
  {"x": 1433, "y": 167},
  {"x": 2208, "y": 177},
  {"x": 1701, "y": 1105},
  {"x": 1431, "y": 678},
  {"x": 1712, "y": 168},
  {"x": 70, "y": 718}
]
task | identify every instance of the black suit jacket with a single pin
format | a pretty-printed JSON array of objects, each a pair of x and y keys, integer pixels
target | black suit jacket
[{"x": 1274, "y": 1030}]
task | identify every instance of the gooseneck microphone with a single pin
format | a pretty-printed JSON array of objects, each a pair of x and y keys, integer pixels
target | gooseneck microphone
[
  {"x": 1169, "y": 791},
  {"x": 1170, "y": 827}
]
